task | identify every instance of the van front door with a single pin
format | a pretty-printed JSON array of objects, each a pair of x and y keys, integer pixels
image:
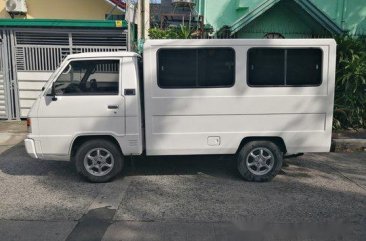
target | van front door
[{"x": 85, "y": 99}]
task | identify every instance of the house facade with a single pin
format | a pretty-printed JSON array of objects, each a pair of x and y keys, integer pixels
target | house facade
[
  {"x": 65, "y": 9},
  {"x": 284, "y": 18},
  {"x": 35, "y": 41}
]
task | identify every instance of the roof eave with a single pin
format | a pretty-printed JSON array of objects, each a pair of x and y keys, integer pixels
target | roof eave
[
  {"x": 62, "y": 23},
  {"x": 245, "y": 20},
  {"x": 309, "y": 7},
  {"x": 320, "y": 16},
  {"x": 113, "y": 4}
]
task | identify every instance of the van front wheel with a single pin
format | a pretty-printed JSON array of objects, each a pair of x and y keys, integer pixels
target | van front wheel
[
  {"x": 259, "y": 161},
  {"x": 98, "y": 160}
]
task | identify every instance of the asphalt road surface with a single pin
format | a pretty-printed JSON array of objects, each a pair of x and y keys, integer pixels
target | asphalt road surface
[{"x": 316, "y": 197}]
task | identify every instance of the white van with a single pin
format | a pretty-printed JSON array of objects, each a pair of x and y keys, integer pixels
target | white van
[{"x": 258, "y": 99}]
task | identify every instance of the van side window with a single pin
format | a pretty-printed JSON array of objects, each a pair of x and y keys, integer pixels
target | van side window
[
  {"x": 89, "y": 77},
  {"x": 284, "y": 67},
  {"x": 196, "y": 68}
]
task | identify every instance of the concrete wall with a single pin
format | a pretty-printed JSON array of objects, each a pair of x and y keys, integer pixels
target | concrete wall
[{"x": 64, "y": 9}]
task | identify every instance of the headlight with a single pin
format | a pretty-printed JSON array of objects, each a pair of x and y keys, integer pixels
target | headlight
[{"x": 29, "y": 125}]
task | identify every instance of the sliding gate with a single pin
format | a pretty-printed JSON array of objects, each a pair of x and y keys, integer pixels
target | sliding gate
[
  {"x": 3, "y": 87},
  {"x": 8, "y": 85},
  {"x": 36, "y": 53}
]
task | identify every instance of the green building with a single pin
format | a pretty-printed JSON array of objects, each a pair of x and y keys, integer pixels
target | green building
[{"x": 283, "y": 18}]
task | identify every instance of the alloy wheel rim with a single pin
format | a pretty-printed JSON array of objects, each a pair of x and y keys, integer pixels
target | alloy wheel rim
[
  {"x": 99, "y": 162},
  {"x": 260, "y": 161}
]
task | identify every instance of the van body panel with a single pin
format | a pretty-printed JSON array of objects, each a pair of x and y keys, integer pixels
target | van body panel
[
  {"x": 182, "y": 120},
  {"x": 188, "y": 121},
  {"x": 132, "y": 143},
  {"x": 56, "y": 124}
]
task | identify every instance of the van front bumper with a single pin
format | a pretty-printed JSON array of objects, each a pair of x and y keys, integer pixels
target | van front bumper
[{"x": 30, "y": 147}]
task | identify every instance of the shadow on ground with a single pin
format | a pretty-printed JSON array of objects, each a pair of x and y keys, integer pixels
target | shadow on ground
[
  {"x": 41, "y": 190},
  {"x": 188, "y": 188}
]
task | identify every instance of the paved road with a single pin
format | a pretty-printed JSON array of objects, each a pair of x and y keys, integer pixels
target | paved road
[{"x": 316, "y": 197}]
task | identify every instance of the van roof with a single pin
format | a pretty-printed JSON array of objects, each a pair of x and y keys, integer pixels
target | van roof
[
  {"x": 103, "y": 54},
  {"x": 236, "y": 42}
]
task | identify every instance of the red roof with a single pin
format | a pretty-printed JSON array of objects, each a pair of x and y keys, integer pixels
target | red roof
[{"x": 119, "y": 3}]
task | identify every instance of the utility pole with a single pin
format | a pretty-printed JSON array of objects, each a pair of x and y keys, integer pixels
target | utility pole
[
  {"x": 147, "y": 18},
  {"x": 129, "y": 35},
  {"x": 143, "y": 10}
]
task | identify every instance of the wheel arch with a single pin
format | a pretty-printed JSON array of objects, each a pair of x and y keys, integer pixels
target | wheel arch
[
  {"x": 79, "y": 140},
  {"x": 275, "y": 139}
]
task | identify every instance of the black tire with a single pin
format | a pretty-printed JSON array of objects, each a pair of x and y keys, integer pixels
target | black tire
[
  {"x": 259, "y": 168},
  {"x": 105, "y": 147}
]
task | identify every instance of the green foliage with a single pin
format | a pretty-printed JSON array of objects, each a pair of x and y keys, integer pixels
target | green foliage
[
  {"x": 180, "y": 32},
  {"x": 157, "y": 33},
  {"x": 350, "y": 92},
  {"x": 184, "y": 32}
]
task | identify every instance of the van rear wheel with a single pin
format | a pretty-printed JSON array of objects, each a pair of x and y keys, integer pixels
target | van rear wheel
[
  {"x": 98, "y": 160},
  {"x": 259, "y": 161}
]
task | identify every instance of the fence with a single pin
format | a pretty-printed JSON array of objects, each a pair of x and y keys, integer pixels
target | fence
[
  {"x": 37, "y": 53},
  {"x": 45, "y": 51}
]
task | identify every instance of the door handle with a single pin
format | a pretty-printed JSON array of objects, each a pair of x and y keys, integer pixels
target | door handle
[{"x": 113, "y": 107}]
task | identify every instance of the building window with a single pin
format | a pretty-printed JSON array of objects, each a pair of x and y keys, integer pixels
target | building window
[
  {"x": 284, "y": 67},
  {"x": 196, "y": 68},
  {"x": 90, "y": 77}
]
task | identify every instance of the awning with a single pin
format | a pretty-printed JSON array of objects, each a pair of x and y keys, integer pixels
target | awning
[{"x": 63, "y": 23}]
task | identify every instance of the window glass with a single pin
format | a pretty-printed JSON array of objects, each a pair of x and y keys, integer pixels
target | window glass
[
  {"x": 284, "y": 67},
  {"x": 90, "y": 77},
  {"x": 196, "y": 68},
  {"x": 216, "y": 67},
  {"x": 266, "y": 66},
  {"x": 304, "y": 67},
  {"x": 177, "y": 68}
]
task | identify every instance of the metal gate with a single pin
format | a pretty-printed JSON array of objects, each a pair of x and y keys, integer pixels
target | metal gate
[
  {"x": 8, "y": 85},
  {"x": 38, "y": 52},
  {"x": 3, "y": 88}
]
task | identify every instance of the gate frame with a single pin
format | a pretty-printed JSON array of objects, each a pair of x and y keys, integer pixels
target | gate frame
[{"x": 10, "y": 77}]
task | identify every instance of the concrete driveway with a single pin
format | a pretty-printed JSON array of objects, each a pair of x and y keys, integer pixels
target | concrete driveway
[{"x": 316, "y": 197}]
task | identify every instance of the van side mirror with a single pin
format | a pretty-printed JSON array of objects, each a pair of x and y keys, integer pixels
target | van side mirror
[
  {"x": 67, "y": 70},
  {"x": 53, "y": 92}
]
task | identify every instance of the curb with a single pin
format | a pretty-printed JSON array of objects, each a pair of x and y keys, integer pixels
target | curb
[
  {"x": 348, "y": 145},
  {"x": 10, "y": 139}
]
